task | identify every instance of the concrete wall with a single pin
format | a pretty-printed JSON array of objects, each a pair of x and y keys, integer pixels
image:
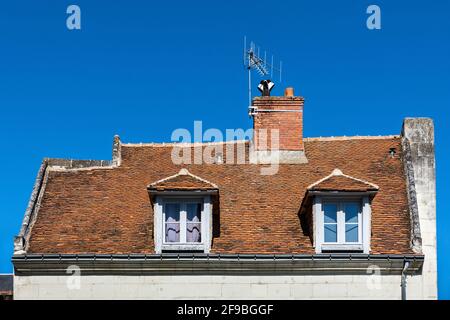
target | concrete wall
[
  {"x": 420, "y": 134},
  {"x": 218, "y": 287}
]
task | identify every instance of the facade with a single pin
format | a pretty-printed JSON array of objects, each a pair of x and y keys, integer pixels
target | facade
[{"x": 279, "y": 216}]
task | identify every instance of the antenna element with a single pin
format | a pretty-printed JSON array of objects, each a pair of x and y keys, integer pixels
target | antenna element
[{"x": 254, "y": 61}]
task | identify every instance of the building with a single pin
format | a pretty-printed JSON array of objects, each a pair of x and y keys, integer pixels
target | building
[
  {"x": 6, "y": 286},
  {"x": 289, "y": 218}
]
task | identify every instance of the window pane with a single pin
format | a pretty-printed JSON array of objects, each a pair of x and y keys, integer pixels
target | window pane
[
  {"x": 193, "y": 233},
  {"x": 194, "y": 212},
  {"x": 331, "y": 233},
  {"x": 172, "y": 232},
  {"x": 193, "y": 225},
  {"x": 172, "y": 223},
  {"x": 351, "y": 232},
  {"x": 172, "y": 212},
  {"x": 351, "y": 212},
  {"x": 330, "y": 213}
]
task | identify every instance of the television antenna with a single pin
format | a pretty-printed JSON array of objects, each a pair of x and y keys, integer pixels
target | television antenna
[{"x": 254, "y": 61}]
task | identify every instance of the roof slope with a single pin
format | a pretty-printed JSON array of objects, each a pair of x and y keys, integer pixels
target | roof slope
[{"x": 107, "y": 210}]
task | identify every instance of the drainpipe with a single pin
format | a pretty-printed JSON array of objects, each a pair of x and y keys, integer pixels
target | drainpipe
[{"x": 403, "y": 282}]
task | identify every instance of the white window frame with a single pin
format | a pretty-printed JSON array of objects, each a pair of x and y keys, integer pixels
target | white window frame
[
  {"x": 182, "y": 218},
  {"x": 364, "y": 220},
  {"x": 159, "y": 223}
]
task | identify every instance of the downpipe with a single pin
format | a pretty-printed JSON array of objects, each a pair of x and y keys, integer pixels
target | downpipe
[{"x": 403, "y": 281}]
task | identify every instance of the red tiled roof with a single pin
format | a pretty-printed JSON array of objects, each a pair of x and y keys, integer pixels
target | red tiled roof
[{"x": 107, "y": 210}]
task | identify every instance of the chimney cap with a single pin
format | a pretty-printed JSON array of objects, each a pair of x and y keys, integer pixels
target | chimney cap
[
  {"x": 289, "y": 92},
  {"x": 265, "y": 86}
]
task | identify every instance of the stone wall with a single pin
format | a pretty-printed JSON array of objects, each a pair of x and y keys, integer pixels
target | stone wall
[
  {"x": 218, "y": 287},
  {"x": 419, "y": 134}
]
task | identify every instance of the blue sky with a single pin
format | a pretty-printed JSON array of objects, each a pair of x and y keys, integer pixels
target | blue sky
[{"x": 141, "y": 70}]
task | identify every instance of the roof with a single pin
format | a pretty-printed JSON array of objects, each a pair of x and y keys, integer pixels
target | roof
[{"x": 106, "y": 210}]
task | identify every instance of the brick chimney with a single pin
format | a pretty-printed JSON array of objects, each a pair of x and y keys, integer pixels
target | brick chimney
[{"x": 282, "y": 117}]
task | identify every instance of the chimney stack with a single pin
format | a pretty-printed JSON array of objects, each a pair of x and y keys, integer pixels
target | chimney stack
[{"x": 280, "y": 117}]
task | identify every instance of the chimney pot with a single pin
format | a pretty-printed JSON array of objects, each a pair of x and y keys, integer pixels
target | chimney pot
[{"x": 289, "y": 92}]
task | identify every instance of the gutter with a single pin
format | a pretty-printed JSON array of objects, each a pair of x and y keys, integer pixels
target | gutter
[{"x": 221, "y": 264}]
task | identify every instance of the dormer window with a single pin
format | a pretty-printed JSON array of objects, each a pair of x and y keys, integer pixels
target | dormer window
[
  {"x": 339, "y": 223},
  {"x": 182, "y": 207},
  {"x": 341, "y": 213}
]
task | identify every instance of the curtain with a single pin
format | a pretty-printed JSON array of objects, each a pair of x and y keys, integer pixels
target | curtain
[
  {"x": 193, "y": 223},
  {"x": 172, "y": 222}
]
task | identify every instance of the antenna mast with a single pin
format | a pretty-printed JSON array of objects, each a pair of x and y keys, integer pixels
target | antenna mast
[{"x": 254, "y": 61}]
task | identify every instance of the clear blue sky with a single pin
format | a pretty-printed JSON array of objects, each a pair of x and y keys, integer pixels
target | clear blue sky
[{"x": 141, "y": 69}]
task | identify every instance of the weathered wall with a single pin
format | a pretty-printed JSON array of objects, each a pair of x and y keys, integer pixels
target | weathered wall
[
  {"x": 218, "y": 287},
  {"x": 420, "y": 135}
]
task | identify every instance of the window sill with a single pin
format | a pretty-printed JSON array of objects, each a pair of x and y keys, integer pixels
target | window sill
[
  {"x": 183, "y": 247},
  {"x": 342, "y": 247}
]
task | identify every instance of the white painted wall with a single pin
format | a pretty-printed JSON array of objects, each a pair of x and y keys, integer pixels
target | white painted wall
[{"x": 219, "y": 287}]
